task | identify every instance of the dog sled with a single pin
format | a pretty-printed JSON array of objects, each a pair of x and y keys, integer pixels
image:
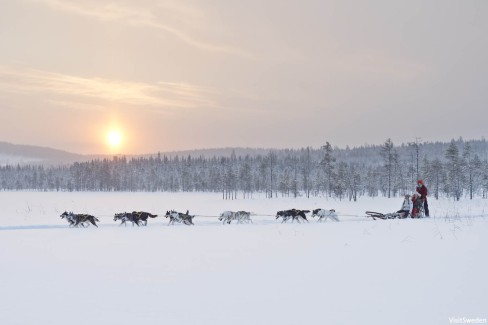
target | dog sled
[
  {"x": 385, "y": 216},
  {"x": 413, "y": 209},
  {"x": 394, "y": 215}
]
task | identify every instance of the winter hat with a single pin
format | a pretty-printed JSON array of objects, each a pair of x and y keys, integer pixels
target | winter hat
[{"x": 420, "y": 182}]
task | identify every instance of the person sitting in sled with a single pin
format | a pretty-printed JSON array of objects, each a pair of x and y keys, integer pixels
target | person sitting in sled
[
  {"x": 417, "y": 205},
  {"x": 406, "y": 207}
]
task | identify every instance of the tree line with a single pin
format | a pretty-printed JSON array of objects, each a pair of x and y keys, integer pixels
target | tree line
[{"x": 457, "y": 169}]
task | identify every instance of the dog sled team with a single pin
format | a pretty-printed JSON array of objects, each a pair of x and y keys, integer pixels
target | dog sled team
[
  {"x": 415, "y": 206},
  {"x": 140, "y": 218}
]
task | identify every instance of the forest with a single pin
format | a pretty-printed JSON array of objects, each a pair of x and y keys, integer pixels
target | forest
[{"x": 457, "y": 169}]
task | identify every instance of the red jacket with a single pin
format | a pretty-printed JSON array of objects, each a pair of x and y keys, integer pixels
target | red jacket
[{"x": 423, "y": 192}]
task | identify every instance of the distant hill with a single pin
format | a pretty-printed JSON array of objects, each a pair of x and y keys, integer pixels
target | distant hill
[{"x": 13, "y": 154}]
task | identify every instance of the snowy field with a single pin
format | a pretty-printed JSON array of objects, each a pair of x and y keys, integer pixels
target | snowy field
[{"x": 357, "y": 271}]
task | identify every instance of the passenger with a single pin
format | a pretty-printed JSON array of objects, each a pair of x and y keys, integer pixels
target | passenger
[
  {"x": 417, "y": 205},
  {"x": 406, "y": 207}
]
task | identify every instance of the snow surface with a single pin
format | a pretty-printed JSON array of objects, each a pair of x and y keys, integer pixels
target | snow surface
[{"x": 357, "y": 271}]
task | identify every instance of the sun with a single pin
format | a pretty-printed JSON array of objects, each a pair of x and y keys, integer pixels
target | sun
[{"x": 114, "y": 138}]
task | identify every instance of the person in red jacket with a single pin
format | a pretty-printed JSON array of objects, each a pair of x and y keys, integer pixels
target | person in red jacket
[{"x": 422, "y": 190}]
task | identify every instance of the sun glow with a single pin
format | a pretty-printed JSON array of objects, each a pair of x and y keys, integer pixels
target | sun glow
[{"x": 114, "y": 138}]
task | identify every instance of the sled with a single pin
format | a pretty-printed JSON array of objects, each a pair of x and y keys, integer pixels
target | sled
[{"x": 384, "y": 216}]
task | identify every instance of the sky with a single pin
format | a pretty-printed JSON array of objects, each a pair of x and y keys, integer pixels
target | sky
[{"x": 177, "y": 75}]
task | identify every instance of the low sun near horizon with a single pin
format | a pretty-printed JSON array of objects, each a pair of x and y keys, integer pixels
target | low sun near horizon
[{"x": 114, "y": 139}]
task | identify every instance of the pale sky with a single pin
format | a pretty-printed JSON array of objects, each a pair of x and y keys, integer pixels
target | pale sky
[{"x": 173, "y": 75}]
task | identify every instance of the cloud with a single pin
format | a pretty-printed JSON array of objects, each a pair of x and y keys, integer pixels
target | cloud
[
  {"x": 144, "y": 16},
  {"x": 55, "y": 87}
]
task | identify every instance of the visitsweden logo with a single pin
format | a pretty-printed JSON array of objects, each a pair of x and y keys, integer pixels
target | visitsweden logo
[{"x": 465, "y": 320}]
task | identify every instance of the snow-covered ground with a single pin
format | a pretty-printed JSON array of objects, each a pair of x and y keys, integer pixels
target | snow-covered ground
[{"x": 357, "y": 271}]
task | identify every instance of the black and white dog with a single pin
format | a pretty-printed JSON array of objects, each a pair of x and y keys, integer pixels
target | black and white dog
[
  {"x": 79, "y": 220},
  {"x": 142, "y": 216},
  {"x": 185, "y": 218},
  {"x": 137, "y": 218},
  {"x": 124, "y": 217},
  {"x": 325, "y": 214},
  {"x": 292, "y": 214},
  {"x": 239, "y": 216}
]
